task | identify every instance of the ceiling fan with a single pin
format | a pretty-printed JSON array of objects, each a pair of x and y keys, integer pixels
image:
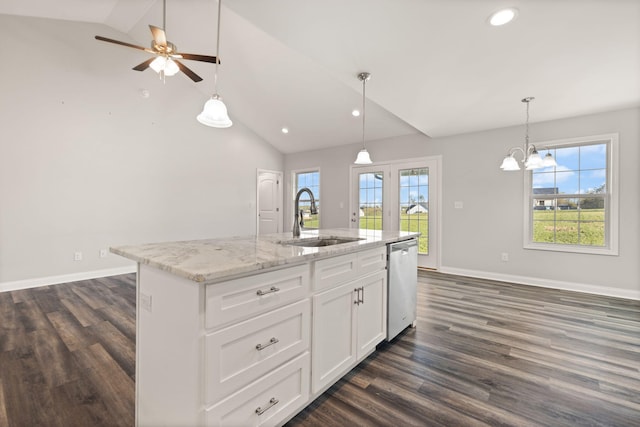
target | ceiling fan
[{"x": 166, "y": 55}]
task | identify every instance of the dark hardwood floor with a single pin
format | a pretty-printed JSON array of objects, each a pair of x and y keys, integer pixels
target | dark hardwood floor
[
  {"x": 483, "y": 353},
  {"x": 67, "y": 354}
]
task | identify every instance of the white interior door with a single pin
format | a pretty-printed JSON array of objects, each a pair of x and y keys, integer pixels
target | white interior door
[
  {"x": 269, "y": 203},
  {"x": 402, "y": 195}
]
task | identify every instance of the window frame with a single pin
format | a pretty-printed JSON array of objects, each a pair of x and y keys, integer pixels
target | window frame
[
  {"x": 294, "y": 191},
  {"x": 610, "y": 199}
]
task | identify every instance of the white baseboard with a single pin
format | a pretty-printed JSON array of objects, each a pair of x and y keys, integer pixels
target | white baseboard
[
  {"x": 545, "y": 283},
  {"x": 65, "y": 278}
]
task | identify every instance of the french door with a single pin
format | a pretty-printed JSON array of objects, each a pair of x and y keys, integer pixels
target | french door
[{"x": 403, "y": 196}]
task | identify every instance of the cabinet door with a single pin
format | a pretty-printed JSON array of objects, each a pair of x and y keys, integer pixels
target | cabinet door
[
  {"x": 334, "y": 335},
  {"x": 372, "y": 312}
]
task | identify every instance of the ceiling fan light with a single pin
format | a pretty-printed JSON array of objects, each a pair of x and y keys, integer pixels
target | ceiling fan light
[
  {"x": 158, "y": 64},
  {"x": 510, "y": 164},
  {"x": 214, "y": 114},
  {"x": 363, "y": 158},
  {"x": 166, "y": 65},
  {"x": 171, "y": 68}
]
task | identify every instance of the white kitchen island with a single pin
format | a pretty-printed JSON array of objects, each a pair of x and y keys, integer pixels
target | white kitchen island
[{"x": 247, "y": 331}]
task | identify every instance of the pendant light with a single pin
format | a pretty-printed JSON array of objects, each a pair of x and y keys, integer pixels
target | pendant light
[
  {"x": 214, "y": 113},
  {"x": 530, "y": 157},
  {"x": 363, "y": 155}
]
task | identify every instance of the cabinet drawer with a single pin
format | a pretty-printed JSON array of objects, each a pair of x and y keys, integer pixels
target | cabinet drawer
[
  {"x": 267, "y": 401},
  {"x": 242, "y": 298},
  {"x": 333, "y": 271},
  {"x": 372, "y": 260},
  {"x": 243, "y": 353}
]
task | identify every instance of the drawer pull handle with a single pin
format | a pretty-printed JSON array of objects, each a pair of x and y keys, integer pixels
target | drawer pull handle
[
  {"x": 270, "y": 291},
  {"x": 273, "y": 402},
  {"x": 272, "y": 341}
]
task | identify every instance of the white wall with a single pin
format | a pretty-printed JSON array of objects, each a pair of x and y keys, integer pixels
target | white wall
[
  {"x": 86, "y": 162},
  {"x": 492, "y": 219}
]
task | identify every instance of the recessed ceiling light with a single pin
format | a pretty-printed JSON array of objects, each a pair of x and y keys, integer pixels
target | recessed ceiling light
[
  {"x": 285, "y": 130},
  {"x": 503, "y": 16},
  {"x": 355, "y": 113}
]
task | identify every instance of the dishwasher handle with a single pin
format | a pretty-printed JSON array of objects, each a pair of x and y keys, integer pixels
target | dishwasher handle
[{"x": 403, "y": 246}]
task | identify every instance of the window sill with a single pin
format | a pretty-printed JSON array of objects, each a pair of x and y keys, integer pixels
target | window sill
[{"x": 572, "y": 249}]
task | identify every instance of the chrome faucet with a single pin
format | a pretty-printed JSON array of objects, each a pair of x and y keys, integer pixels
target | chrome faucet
[{"x": 298, "y": 221}]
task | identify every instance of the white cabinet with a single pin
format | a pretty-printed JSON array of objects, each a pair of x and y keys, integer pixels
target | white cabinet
[
  {"x": 334, "y": 333},
  {"x": 255, "y": 350},
  {"x": 372, "y": 313},
  {"x": 267, "y": 402},
  {"x": 247, "y": 351},
  {"x": 349, "y": 320},
  {"x": 240, "y": 299}
]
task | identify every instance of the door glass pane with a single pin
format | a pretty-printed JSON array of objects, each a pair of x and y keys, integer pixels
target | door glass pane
[
  {"x": 310, "y": 180},
  {"x": 414, "y": 204},
  {"x": 370, "y": 200}
]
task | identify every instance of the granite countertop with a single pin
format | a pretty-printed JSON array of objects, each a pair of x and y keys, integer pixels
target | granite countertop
[{"x": 213, "y": 260}]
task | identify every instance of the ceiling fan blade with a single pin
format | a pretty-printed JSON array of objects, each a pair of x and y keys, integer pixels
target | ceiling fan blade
[
  {"x": 196, "y": 57},
  {"x": 159, "y": 37},
  {"x": 144, "y": 65},
  {"x": 104, "y": 39},
  {"x": 193, "y": 76}
]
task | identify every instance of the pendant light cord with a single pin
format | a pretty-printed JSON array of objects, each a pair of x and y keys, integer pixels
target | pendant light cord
[
  {"x": 215, "y": 79},
  {"x": 526, "y": 136},
  {"x": 364, "y": 85}
]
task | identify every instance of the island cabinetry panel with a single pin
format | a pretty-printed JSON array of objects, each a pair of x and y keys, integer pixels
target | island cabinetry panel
[
  {"x": 349, "y": 320},
  {"x": 239, "y": 299},
  {"x": 372, "y": 313},
  {"x": 245, "y": 352},
  {"x": 269, "y": 401},
  {"x": 332, "y": 271},
  {"x": 328, "y": 273}
]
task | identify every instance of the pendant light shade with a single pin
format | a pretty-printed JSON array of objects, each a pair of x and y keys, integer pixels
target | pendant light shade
[
  {"x": 214, "y": 113},
  {"x": 363, "y": 155},
  {"x": 549, "y": 161},
  {"x": 510, "y": 164},
  {"x": 363, "y": 158}
]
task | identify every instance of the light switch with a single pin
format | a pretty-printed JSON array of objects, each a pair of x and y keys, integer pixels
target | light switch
[{"x": 458, "y": 205}]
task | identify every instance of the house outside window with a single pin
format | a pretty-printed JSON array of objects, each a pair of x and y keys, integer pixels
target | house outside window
[
  {"x": 311, "y": 180},
  {"x": 573, "y": 206}
]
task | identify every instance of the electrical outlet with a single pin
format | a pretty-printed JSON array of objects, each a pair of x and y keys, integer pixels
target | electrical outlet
[
  {"x": 77, "y": 256},
  {"x": 505, "y": 256},
  {"x": 103, "y": 253}
]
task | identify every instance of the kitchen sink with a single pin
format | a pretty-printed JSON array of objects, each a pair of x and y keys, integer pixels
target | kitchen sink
[{"x": 320, "y": 241}]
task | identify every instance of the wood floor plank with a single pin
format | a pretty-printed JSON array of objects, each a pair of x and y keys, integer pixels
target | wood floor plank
[
  {"x": 85, "y": 315},
  {"x": 4, "y": 420}
]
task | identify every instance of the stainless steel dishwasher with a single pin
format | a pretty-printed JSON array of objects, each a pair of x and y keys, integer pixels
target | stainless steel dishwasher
[{"x": 402, "y": 283}]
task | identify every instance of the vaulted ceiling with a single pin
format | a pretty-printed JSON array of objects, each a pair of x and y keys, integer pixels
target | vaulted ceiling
[{"x": 437, "y": 66}]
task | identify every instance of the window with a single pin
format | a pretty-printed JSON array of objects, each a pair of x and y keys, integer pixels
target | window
[
  {"x": 310, "y": 180},
  {"x": 414, "y": 204},
  {"x": 573, "y": 206},
  {"x": 371, "y": 199}
]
